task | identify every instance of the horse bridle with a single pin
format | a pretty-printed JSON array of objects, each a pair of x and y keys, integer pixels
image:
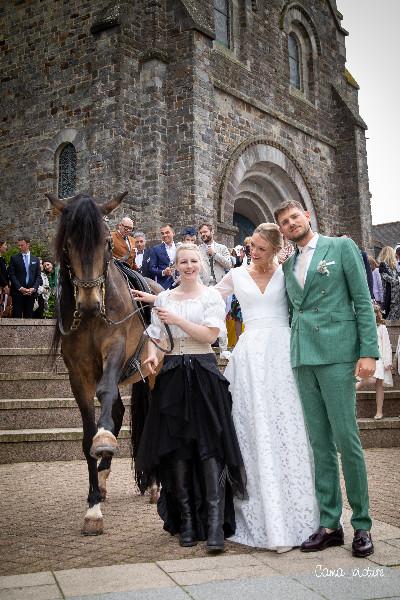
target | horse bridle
[
  {"x": 88, "y": 284},
  {"x": 101, "y": 282}
]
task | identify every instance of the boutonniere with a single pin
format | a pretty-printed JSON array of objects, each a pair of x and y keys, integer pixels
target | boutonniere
[{"x": 323, "y": 267}]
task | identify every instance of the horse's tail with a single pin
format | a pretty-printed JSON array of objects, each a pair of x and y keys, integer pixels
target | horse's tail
[{"x": 140, "y": 404}]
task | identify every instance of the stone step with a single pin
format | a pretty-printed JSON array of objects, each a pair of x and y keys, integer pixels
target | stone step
[
  {"x": 16, "y": 333},
  {"x": 45, "y": 445},
  {"x": 42, "y": 445},
  {"x": 38, "y": 385},
  {"x": 46, "y": 413},
  {"x": 366, "y": 404},
  {"x": 21, "y": 360},
  {"x": 380, "y": 434}
]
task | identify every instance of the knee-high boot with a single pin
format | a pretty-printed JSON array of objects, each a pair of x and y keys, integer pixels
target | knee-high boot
[
  {"x": 215, "y": 496},
  {"x": 181, "y": 488}
]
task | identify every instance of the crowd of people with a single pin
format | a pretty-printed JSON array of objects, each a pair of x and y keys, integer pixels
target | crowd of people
[
  {"x": 288, "y": 386},
  {"x": 252, "y": 455},
  {"x": 26, "y": 283}
]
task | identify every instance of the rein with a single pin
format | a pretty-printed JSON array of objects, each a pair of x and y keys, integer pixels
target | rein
[{"x": 101, "y": 283}]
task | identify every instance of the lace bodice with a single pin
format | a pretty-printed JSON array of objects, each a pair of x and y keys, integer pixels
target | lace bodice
[
  {"x": 207, "y": 309},
  {"x": 272, "y": 304}
]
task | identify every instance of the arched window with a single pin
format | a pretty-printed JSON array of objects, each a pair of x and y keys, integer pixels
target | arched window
[
  {"x": 294, "y": 61},
  {"x": 67, "y": 171},
  {"x": 222, "y": 25}
]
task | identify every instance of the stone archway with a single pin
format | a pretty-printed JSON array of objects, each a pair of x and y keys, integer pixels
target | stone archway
[{"x": 259, "y": 176}]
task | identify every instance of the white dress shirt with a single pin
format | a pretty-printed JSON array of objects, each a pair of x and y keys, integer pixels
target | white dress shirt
[
  {"x": 171, "y": 251},
  {"x": 139, "y": 259},
  {"x": 310, "y": 249}
]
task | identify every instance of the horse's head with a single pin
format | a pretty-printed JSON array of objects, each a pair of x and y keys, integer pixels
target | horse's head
[{"x": 84, "y": 248}]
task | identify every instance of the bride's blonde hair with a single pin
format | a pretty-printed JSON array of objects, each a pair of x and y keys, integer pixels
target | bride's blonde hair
[{"x": 271, "y": 233}]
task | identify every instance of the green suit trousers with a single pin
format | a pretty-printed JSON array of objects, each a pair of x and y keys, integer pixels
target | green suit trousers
[{"x": 328, "y": 396}]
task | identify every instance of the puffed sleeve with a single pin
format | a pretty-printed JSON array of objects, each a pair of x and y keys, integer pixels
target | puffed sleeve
[
  {"x": 156, "y": 329},
  {"x": 214, "y": 310},
  {"x": 225, "y": 286}
]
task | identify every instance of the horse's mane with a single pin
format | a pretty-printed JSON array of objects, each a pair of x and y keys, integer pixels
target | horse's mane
[{"x": 82, "y": 225}]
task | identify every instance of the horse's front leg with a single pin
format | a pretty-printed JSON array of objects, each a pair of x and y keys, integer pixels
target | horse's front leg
[
  {"x": 93, "y": 522},
  {"x": 105, "y": 441},
  {"x": 104, "y": 468}
]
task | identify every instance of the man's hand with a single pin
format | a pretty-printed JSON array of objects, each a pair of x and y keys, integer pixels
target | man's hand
[
  {"x": 167, "y": 272},
  {"x": 210, "y": 251},
  {"x": 365, "y": 367}
]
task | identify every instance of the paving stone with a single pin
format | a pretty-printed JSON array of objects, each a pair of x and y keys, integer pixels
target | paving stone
[
  {"x": 175, "y": 593},
  {"x": 210, "y": 562},
  {"x": 385, "y": 554},
  {"x": 27, "y": 580},
  {"x": 36, "y": 592},
  {"x": 205, "y": 575},
  {"x": 271, "y": 588},
  {"x": 115, "y": 578},
  {"x": 356, "y": 585}
]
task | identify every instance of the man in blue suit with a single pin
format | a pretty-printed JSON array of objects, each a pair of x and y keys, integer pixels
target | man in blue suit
[
  {"x": 25, "y": 277},
  {"x": 162, "y": 258}
]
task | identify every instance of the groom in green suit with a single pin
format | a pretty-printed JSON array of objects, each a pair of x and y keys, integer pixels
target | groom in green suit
[{"x": 333, "y": 339}]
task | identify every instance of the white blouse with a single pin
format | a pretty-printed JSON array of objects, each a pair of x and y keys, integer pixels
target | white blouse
[{"x": 207, "y": 309}]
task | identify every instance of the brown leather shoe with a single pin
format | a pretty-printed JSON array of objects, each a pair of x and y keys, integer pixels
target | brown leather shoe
[
  {"x": 362, "y": 545},
  {"x": 321, "y": 540}
]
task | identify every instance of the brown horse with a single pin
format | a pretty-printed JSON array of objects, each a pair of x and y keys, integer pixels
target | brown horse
[{"x": 100, "y": 327}]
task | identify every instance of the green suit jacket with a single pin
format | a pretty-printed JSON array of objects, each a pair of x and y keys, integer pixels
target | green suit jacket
[{"x": 332, "y": 317}]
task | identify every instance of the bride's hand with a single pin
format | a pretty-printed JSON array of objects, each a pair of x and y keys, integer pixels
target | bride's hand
[{"x": 143, "y": 296}]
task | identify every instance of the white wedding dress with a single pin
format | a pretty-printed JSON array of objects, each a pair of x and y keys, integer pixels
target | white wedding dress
[{"x": 281, "y": 509}]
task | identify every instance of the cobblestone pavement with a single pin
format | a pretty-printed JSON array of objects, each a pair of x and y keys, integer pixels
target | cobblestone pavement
[{"x": 42, "y": 506}]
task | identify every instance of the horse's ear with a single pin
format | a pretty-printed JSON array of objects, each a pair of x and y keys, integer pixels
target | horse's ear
[
  {"x": 56, "y": 202},
  {"x": 112, "y": 204}
]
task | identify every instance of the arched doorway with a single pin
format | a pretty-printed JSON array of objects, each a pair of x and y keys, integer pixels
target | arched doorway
[{"x": 260, "y": 176}]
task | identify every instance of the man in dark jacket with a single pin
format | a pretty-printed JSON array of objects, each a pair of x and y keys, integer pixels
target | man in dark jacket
[{"x": 24, "y": 273}]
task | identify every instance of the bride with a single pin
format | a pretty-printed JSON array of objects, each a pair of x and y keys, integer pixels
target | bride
[{"x": 281, "y": 510}]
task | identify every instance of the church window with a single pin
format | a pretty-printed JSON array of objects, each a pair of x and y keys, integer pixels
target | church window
[
  {"x": 294, "y": 61},
  {"x": 222, "y": 22},
  {"x": 67, "y": 171}
]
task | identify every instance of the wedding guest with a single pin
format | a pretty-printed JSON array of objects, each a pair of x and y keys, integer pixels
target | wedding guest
[
  {"x": 4, "y": 283},
  {"x": 189, "y": 441},
  {"x": 391, "y": 283},
  {"x": 215, "y": 256},
  {"x": 142, "y": 258},
  {"x": 376, "y": 280},
  {"x": 24, "y": 272},
  {"x": 43, "y": 294},
  {"x": 162, "y": 258},
  {"x": 397, "y": 250},
  {"x": 124, "y": 244},
  {"x": 188, "y": 235},
  {"x": 383, "y": 371}
]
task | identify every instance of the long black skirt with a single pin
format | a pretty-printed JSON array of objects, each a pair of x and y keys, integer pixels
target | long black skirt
[{"x": 190, "y": 419}]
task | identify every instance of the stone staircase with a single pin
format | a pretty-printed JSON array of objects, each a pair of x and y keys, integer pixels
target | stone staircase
[{"x": 40, "y": 421}]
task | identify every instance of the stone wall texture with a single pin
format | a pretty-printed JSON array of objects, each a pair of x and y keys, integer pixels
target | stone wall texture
[{"x": 191, "y": 129}]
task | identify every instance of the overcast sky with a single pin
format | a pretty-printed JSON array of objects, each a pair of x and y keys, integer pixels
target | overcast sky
[{"x": 373, "y": 58}]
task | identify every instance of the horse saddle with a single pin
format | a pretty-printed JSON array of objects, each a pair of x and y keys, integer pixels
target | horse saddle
[{"x": 136, "y": 281}]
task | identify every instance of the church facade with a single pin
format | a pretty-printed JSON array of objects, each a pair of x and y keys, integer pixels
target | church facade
[{"x": 203, "y": 110}]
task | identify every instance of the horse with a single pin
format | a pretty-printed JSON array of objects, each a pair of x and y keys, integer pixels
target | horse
[{"x": 100, "y": 327}]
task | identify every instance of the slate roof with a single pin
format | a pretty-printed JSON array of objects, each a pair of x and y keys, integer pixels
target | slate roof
[{"x": 388, "y": 234}]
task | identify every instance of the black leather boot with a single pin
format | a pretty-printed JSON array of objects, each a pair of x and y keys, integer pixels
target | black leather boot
[
  {"x": 181, "y": 477},
  {"x": 215, "y": 496}
]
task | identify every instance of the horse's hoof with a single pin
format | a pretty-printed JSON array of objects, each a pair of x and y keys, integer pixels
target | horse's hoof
[
  {"x": 92, "y": 527},
  {"x": 104, "y": 444},
  {"x": 102, "y": 478}
]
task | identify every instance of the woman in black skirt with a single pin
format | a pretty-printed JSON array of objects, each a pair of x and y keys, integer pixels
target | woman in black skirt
[{"x": 189, "y": 441}]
